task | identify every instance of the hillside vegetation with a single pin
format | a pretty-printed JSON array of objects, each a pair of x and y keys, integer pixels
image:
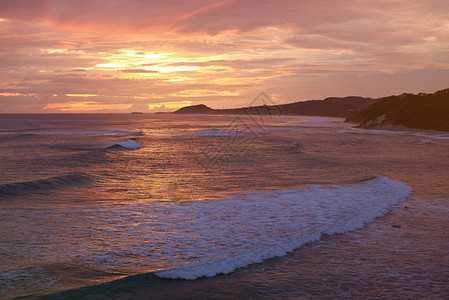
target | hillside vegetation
[
  {"x": 421, "y": 111},
  {"x": 329, "y": 107}
]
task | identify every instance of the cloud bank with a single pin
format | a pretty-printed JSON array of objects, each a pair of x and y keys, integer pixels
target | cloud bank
[{"x": 129, "y": 54}]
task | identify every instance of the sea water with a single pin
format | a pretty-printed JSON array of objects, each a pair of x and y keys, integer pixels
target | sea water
[{"x": 88, "y": 199}]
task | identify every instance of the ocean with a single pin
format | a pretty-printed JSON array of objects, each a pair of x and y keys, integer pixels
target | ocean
[{"x": 135, "y": 206}]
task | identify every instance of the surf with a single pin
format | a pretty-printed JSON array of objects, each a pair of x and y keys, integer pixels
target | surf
[
  {"x": 293, "y": 218},
  {"x": 129, "y": 144},
  {"x": 233, "y": 233}
]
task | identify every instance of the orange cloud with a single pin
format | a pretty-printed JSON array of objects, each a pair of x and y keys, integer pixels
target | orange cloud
[
  {"x": 220, "y": 52},
  {"x": 85, "y": 106}
]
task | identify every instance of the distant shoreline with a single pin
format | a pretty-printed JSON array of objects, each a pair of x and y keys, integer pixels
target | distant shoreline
[
  {"x": 398, "y": 113},
  {"x": 329, "y": 107},
  {"x": 401, "y": 128}
]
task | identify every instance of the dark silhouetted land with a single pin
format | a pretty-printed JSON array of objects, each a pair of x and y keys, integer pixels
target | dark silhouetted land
[
  {"x": 421, "y": 111},
  {"x": 329, "y": 107}
]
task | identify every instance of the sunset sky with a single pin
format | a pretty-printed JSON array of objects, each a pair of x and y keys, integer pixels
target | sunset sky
[{"x": 136, "y": 55}]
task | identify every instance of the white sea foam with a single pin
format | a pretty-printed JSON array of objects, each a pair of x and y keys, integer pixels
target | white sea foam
[
  {"x": 284, "y": 220},
  {"x": 197, "y": 238},
  {"x": 435, "y": 136},
  {"x": 128, "y": 144},
  {"x": 24, "y": 279}
]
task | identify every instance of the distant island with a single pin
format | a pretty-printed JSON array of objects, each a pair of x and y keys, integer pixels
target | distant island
[
  {"x": 421, "y": 111},
  {"x": 329, "y": 107}
]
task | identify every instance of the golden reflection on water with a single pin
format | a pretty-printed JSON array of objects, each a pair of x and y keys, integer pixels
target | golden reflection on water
[{"x": 166, "y": 169}]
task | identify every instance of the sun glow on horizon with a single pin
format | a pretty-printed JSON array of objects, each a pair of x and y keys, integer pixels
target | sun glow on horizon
[
  {"x": 81, "y": 95},
  {"x": 221, "y": 54},
  {"x": 85, "y": 106},
  {"x": 170, "y": 105},
  {"x": 7, "y": 94}
]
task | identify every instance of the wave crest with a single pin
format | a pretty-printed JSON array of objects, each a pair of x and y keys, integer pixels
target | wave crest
[
  {"x": 43, "y": 185},
  {"x": 126, "y": 144},
  {"x": 294, "y": 218}
]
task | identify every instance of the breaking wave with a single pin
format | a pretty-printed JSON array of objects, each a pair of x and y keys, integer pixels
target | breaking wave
[
  {"x": 271, "y": 224},
  {"x": 126, "y": 144}
]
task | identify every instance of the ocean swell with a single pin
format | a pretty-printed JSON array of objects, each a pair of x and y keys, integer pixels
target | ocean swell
[
  {"x": 285, "y": 220},
  {"x": 42, "y": 185},
  {"x": 96, "y": 132},
  {"x": 196, "y": 239}
]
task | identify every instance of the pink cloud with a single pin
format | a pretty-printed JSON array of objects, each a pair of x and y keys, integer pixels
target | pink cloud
[{"x": 294, "y": 49}]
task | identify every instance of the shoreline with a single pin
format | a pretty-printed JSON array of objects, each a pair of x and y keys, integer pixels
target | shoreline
[{"x": 399, "y": 129}]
